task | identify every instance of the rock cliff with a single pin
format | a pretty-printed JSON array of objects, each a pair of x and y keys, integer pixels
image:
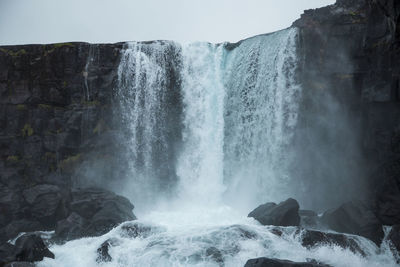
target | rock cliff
[{"x": 57, "y": 112}]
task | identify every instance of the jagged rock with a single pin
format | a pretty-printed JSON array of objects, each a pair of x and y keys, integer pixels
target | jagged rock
[
  {"x": 311, "y": 239},
  {"x": 102, "y": 252},
  {"x": 285, "y": 213},
  {"x": 355, "y": 218},
  {"x": 31, "y": 248},
  {"x": 266, "y": 262},
  {"x": 394, "y": 237}
]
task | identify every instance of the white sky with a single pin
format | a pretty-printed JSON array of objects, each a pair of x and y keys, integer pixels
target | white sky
[{"x": 103, "y": 21}]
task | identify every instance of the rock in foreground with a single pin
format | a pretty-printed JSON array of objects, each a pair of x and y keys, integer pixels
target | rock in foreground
[
  {"x": 355, "y": 218},
  {"x": 27, "y": 248},
  {"x": 266, "y": 262},
  {"x": 93, "y": 212},
  {"x": 285, "y": 213}
]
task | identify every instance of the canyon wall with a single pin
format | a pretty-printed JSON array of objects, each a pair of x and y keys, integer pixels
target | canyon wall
[{"x": 59, "y": 119}]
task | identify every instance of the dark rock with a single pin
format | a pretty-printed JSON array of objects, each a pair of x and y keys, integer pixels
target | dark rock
[
  {"x": 20, "y": 264},
  {"x": 102, "y": 252},
  {"x": 355, "y": 218},
  {"x": 311, "y": 239},
  {"x": 7, "y": 253},
  {"x": 284, "y": 214},
  {"x": 72, "y": 227},
  {"x": 216, "y": 255},
  {"x": 18, "y": 226},
  {"x": 31, "y": 248},
  {"x": 266, "y": 262},
  {"x": 32, "y": 193},
  {"x": 103, "y": 210},
  {"x": 94, "y": 212},
  {"x": 135, "y": 229},
  {"x": 394, "y": 237}
]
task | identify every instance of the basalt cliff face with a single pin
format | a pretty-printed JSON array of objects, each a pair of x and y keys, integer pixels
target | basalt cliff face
[
  {"x": 351, "y": 51},
  {"x": 59, "y": 117}
]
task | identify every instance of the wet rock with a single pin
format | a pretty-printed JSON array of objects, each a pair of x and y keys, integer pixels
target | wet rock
[
  {"x": 31, "y": 248},
  {"x": 311, "y": 239},
  {"x": 394, "y": 237},
  {"x": 216, "y": 255},
  {"x": 355, "y": 218},
  {"x": 72, "y": 227},
  {"x": 285, "y": 213},
  {"x": 266, "y": 262},
  {"x": 103, "y": 210},
  {"x": 135, "y": 229},
  {"x": 20, "y": 264},
  {"x": 18, "y": 226},
  {"x": 102, "y": 252}
]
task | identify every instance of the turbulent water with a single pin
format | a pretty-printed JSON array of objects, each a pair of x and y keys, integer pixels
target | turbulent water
[{"x": 238, "y": 111}]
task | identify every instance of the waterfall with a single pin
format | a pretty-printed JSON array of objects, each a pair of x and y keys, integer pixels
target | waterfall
[
  {"x": 261, "y": 116},
  {"x": 146, "y": 84},
  {"x": 200, "y": 166},
  {"x": 212, "y": 125}
]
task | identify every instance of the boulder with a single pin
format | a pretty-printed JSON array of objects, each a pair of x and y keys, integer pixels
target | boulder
[
  {"x": 285, "y": 213},
  {"x": 266, "y": 262},
  {"x": 46, "y": 204},
  {"x": 94, "y": 212},
  {"x": 312, "y": 239},
  {"x": 18, "y": 226},
  {"x": 31, "y": 248},
  {"x": 355, "y": 218},
  {"x": 72, "y": 227}
]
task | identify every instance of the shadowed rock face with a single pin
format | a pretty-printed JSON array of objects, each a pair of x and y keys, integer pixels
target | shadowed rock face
[{"x": 350, "y": 53}]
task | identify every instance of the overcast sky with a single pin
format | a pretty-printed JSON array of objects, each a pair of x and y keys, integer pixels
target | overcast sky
[{"x": 49, "y": 21}]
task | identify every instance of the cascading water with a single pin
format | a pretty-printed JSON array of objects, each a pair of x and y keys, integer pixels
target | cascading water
[
  {"x": 144, "y": 79},
  {"x": 260, "y": 117},
  {"x": 200, "y": 167},
  {"x": 239, "y": 108}
]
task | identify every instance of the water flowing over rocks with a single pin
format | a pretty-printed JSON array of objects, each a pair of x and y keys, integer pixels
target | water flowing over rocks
[
  {"x": 394, "y": 237},
  {"x": 285, "y": 213},
  {"x": 355, "y": 218},
  {"x": 73, "y": 214},
  {"x": 27, "y": 248},
  {"x": 266, "y": 262},
  {"x": 310, "y": 112},
  {"x": 311, "y": 239}
]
